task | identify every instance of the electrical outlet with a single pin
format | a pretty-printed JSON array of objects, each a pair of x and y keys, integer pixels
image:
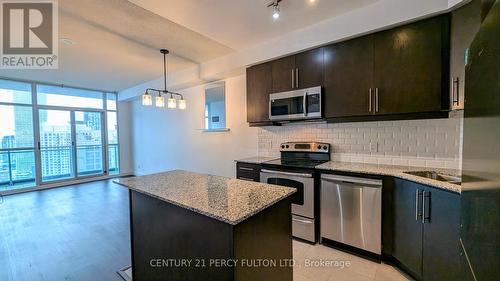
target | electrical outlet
[{"x": 373, "y": 146}]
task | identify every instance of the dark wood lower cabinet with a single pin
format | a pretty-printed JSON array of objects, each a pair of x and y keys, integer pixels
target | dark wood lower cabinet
[
  {"x": 426, "y": 231},
  {"x": 408, "y": 230},
  {"x": 420, "y": 227},
  {"x": 248, "y": 171},
  {"x": 441, "y": 258}
]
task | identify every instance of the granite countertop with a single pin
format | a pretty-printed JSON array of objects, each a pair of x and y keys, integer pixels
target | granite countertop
[
  {"x": 256, "y": 160},
  {"x": 225, "y": 199},
  {"x": 395, "y": 171}
]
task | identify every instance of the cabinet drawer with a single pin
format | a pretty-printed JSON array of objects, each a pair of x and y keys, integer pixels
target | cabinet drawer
[
  {"x": 247, "y": 171},
  {"x": 248, "y": 176},
  {"x": 246, "y": 167}
]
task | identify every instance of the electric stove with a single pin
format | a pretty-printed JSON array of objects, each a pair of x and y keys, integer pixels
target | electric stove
[
  {"x": 301, "y": 155},
  {"x": 295, "y": 169}
]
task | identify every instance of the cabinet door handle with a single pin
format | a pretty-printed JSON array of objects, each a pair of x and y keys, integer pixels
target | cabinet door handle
[
  {"x": 293, "y": 78},
  {"x": 376, "y": 100},
  {"x": 305, "y": 104},
  {"x": 456, "y": 92},
  {"x": 301, "y": 221},
  {"x": 297, "y": 78},
  {"x": 246, "y": 169},
  {"x": 370, "y": 100},
  {"x": 245, "y": 179},
  {"x": 418, "y": 200},
  {"x": 426, "y": 207}
]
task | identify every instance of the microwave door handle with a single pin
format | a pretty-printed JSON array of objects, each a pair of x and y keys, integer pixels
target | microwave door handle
[{"x": 305, "y": 103}]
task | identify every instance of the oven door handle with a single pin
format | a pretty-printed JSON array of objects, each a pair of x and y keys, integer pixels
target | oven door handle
[
  {"x": 301, "y": 221},
  {"x": 302, "y": 175},
  {"x": 305, "y": 103}
]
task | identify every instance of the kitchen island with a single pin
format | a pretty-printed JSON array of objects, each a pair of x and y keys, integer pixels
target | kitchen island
[{"x": 191, "y": 226}]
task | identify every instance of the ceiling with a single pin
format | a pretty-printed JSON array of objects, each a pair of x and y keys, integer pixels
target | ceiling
[
  {"x": 116, "y": 42},
  {"x": 242, "y": 23},
  {"x": 117, "y": 46}
]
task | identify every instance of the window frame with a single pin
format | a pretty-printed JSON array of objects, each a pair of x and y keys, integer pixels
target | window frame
[
  {"x": 106, "y": 110},
  {"x": 35, "y": 107},
  {"x": 12, "y": 150}
]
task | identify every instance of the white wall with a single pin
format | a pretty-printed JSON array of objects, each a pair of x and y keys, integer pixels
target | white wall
[
  {"x": 125, "y": 138},
  {"x": 165, "y": 139}
]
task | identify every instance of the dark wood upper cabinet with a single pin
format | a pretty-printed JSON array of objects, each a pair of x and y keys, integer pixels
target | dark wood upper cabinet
[
  {"x": 348, "y": 83},
  {"x": 402, "y": 72},
  {"x": 465, "y": 23},
  {"x": 283, "y": 74},
  {"x": 299, "y": 71},
  {"x": 259, "y": 85},
  {"x": 309, "y": 68},
  {"x": 411, "y": 67}
]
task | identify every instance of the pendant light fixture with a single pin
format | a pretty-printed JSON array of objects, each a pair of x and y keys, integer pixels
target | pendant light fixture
[{"x": 147, "y": 99}]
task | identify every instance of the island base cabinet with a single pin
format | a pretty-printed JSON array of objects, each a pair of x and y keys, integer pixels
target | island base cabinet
[
  {"x": 426, "y": 231},
  {"x": 173, "y": 243}
]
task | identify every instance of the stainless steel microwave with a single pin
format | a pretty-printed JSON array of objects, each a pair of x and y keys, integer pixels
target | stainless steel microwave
[{"x": 298, "y": 104}]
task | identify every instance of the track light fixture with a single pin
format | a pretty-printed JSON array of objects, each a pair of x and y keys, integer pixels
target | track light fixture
[{"x": 276, "y": 8}]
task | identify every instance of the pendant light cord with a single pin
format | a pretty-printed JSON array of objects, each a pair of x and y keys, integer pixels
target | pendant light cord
[{"x": 165, "y": 71}]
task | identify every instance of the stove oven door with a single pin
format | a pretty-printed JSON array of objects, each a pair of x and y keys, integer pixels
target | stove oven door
[
  {"x": 303, "y": 199},
  {"x": 303, "y": 222}
]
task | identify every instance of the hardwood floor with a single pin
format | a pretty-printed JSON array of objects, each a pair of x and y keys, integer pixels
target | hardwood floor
[{"x": 79, "y": 232}]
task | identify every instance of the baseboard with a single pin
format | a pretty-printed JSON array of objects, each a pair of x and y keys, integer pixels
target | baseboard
[{"x": 62, "y": 184}]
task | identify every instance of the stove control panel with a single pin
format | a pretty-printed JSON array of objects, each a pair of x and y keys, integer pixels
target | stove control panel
[{"x": 318, "y": 147}]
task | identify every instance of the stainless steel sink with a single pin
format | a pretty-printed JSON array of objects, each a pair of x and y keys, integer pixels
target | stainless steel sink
[{"x": 437, "y": 176}]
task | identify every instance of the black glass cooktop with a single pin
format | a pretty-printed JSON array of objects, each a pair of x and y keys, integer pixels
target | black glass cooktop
[{"x": 296, "y": 163}]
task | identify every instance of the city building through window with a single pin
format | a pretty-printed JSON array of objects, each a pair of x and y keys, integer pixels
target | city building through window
[{"x": 53, "y": 133}]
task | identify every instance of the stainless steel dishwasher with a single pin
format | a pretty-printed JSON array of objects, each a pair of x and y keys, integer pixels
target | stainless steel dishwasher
[{"x": 351, "y": 211}]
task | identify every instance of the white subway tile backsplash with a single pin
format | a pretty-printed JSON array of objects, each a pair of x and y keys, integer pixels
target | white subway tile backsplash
[
  {"x": 423, "y": 143},
  {"x": 417, "y": 163},
  {"x": 402, "y": 162}
]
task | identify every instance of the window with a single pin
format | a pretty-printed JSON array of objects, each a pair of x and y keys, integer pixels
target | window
[
  {"x": 56, "y": 145},
  {"x": 215, "y": 107},
  {"x": 110, "y": 101},
  {"x": 69, "y": 97},
  {"x": 112, "y": 127},
  {"x": 76, "y": 134},
  {"x": 16, "y": 128},
  {"x": 89, "y": 143},
  {"x": 15, "y": 92},
  {"x": 17, "y": 152}
]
